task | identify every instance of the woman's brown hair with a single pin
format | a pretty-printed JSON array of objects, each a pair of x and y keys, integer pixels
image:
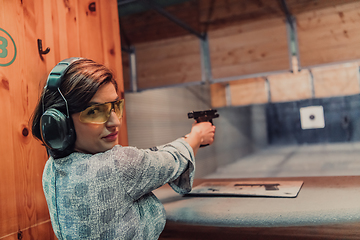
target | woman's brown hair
[{"x": 78, "y": 85}]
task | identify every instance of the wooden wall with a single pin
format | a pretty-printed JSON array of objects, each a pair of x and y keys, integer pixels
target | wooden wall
[
  {"x": 249, "y": 39},
  {"x": 249, "y": 48},
  {"x": 329, "y": 35},
  {"x": 168, "y": 62},
  {"x": 326, "y": 81},
  {"x": 70, "y": 29},
  {"x": 218, "y": 95},
  {"x": 328, "y": 52},
  {"x": 338, "y": 80}
]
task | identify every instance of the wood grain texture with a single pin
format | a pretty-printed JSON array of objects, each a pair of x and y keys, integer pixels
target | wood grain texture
[
  {"x": 218, "y": 14},
  {"x": 24, "y": 156},
  {"x": 248, "y": 91},
  {"x": 332, "y": 33},
  {"x": 338, "y": 80},
  {"x": 168, "y": 63},
  {"x": 110, "y": 37},
  {"x": 29, "y": 156},
  {"x": 218, "y": 95},
  {"x": 290, "y": 86},
  {"x": 62, "y": 25},
  {"x": 8, "y": 208},
  {"x": 41, "y": 231},
  {"x": 249, "y": 48},
  {"x": 90, "y": 31}
]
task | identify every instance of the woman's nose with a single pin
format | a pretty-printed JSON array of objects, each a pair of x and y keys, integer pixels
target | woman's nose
[{"x": 113, "y": 120}]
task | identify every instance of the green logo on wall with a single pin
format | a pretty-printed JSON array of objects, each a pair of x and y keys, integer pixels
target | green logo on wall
[{"x": 7, "y": 49}]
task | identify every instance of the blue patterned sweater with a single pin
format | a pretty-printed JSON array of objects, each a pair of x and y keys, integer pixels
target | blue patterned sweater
[{"x": 108, "y": 195}]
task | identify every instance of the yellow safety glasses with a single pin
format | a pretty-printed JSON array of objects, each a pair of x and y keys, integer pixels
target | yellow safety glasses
[{"x": 100, "y": 113}]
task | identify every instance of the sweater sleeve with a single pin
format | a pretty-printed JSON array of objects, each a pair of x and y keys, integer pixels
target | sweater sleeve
[{"x": 142, "y": 171}]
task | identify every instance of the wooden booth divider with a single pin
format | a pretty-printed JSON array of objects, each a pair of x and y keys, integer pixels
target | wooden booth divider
[{"x": 70, "y": 29}]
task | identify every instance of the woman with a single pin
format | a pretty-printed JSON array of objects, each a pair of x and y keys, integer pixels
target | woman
[{"x": 95, "y": 188}]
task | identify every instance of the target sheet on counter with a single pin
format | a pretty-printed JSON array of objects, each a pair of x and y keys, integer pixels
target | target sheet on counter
[{"x": 289, "y": 189}]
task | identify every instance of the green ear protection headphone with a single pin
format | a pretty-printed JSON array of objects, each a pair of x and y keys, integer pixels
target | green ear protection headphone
[{"x": 56, "y": 128}]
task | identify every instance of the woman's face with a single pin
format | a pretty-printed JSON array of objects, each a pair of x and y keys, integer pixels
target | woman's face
[{"x": 95, "y": 138}]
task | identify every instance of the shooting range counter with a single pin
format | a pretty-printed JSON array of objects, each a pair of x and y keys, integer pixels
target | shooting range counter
[{"x": 325, "y": 208}]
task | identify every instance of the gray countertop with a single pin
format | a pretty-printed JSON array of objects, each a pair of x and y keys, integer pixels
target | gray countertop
[{"x": 321, "y": 200}]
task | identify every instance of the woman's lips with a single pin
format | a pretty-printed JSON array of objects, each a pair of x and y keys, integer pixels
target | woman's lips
[{"x": 111, "y": 137}]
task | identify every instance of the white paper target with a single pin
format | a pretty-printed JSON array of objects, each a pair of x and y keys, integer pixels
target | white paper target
[{"x": 312, "y": 117}]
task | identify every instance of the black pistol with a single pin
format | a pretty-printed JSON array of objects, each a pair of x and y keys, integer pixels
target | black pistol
[{"x": 204, "y": 116}]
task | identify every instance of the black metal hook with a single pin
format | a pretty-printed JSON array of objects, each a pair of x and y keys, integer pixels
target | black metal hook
[
  {"x": 40, "y": 48},
  {"x": 92, "y": 7},
  {"x": 19, "y": 235}
]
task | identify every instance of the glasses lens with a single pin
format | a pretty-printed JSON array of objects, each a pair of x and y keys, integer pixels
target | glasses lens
[
  {"x": 100, "y": 113},
  {"x": 96, "y": 114},
  {"x": 119, "y": 107}
]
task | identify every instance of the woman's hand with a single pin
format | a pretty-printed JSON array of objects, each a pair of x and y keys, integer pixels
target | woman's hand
[{"x": 201, "y": 134}]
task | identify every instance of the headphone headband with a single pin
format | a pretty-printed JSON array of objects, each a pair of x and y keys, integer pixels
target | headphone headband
[
  {"x": 56, "y": 74},
  {"x": 56, "y": 128}
]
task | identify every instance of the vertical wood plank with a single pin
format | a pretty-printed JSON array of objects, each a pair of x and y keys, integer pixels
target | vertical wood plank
[
  {"x": 218, "y": 95},
  {"x": 29, "y": 155},
  {"x": 248, "y": 91},
  {"x": 338, "y": 80},
  {"x": 22, "y": 202},
  {"x": 68, "y": 28},
  {"x": 329, "y": 35},
  {"x": 48, "y": 38},
  {"x": 72, "y": 27},
  {"x": 53, "y": 32},
  {"x": 249, "y": 48},
  {"x": 61, "y": 9},
  {"x": 110, "y": 33},
  {"x": 90, "y": 31},
  {"x": 168, "y": 62},
  {"x": 24, "y": 153},
  {"x": 9, "y": 214},
  {"x": 290, "y": 86}
]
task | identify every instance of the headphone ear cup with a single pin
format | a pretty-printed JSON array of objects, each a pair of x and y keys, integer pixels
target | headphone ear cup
[{"x": 56, "y": 130}]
